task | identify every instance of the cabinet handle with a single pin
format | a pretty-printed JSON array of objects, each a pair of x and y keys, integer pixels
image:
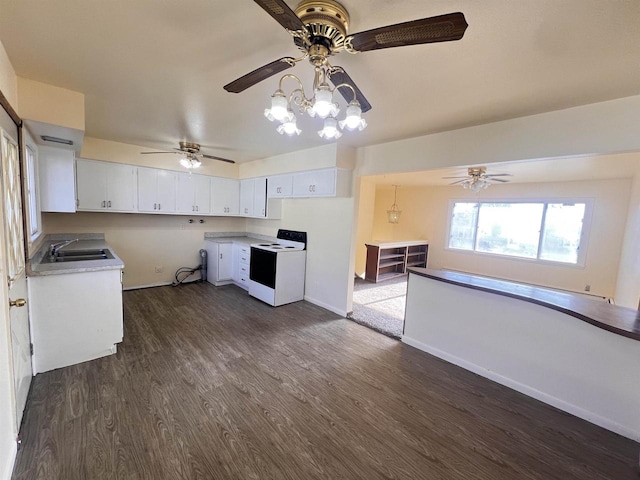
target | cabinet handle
[
  {"x": 109, "y": 204},
  {"x": 310, "y": 188},
  {"x": 104, "y": 203},
  {"x": 263, "y": 214},
  {"x": 220, "y": 255},
  {"x": 197, "y": 208},
  {"x": 154, "y": 206},
  {"x": 158, "y": 206},
  {"x": 193, "y": 209},
  {"x": 313, "y": 188}
]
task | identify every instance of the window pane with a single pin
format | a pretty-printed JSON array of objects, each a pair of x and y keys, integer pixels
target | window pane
[
  {"x": 562, "y": 232},
  {"x": 31, "y": 192},
  {"x": 463, "y": 226},
  {"x": 509, "y": 228}
]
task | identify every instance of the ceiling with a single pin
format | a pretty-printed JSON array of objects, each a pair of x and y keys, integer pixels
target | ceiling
[
  {"x": 152, "y": 72},
  {"x": 598, "y": 167}
]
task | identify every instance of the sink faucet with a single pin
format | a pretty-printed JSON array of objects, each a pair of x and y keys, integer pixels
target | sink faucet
[{"x": 56, "y": 247}]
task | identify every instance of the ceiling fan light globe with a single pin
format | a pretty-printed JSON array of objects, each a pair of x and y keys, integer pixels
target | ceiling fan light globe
[
  {"x": 279, "y": 107},
  {"x": 289, "y": 127},
  {"x": 330, "y": 130},
  {"x": 353, "y": 119},
  {"x": 190, "y": 163},
  {"x": 323, "y": 106}
]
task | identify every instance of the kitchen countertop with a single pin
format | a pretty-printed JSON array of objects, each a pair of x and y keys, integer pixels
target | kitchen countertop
[
  {"x": 86, "y": 241},
  {"x": 621, "y": 320},
  {"x": 407, "y": 243},
  {"x": 238, "y": 237}
]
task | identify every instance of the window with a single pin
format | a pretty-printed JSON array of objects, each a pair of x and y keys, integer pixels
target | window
[
  {"x": 32, "y": 194},
  {"x": 546, "y": 230}
]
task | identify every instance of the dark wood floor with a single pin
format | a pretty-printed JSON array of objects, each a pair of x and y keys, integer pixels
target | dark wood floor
[{"x": 212, "y": 384}]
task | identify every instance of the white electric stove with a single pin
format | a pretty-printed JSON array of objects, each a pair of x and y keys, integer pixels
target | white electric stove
[{"x": 277, "y": 270}]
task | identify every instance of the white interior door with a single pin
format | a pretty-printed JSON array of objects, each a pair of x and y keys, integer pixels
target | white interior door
[{"x": 15, "y": 272}]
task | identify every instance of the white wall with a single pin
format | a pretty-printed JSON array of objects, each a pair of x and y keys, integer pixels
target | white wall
[
  {"x": 146, "y": 241},
  {"x": 425, "y": 216},
  {"x": 628, "y": 284},
  {"x": 599, "y": 128},
  {"x": 8, "y": 79},
  {"x": 533, "y": 349}
]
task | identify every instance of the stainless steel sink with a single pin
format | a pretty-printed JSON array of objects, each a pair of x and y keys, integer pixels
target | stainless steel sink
[{"x": 79, "y": 256}]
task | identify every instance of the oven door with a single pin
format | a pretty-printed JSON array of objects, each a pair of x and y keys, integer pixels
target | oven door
[{"x": 262, "y": 267}]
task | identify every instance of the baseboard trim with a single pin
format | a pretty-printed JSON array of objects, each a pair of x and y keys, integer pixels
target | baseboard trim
[
  {"x": 159, "y": 284},
  {"x": 326, "y": 306},
  {"x": 526, "y": 389}
]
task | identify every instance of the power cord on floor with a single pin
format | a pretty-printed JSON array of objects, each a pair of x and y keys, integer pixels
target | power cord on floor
[{"x": 182, "y": 271}]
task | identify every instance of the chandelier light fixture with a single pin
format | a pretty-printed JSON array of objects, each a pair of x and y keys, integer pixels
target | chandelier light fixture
[
  {"x": 321, "y": 105},
  {"x": 393, "y": 214}
]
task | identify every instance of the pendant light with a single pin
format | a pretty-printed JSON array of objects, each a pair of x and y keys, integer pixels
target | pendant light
[{"x": 394, "y": 213}]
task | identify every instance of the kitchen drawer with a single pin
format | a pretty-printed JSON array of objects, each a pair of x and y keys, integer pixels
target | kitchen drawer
[
  {"x": 243, "y": 270},
  {"x": 243, "y": 258},
  {"x": 246, "y": 249},
  {"x": 244, "y": 282}
]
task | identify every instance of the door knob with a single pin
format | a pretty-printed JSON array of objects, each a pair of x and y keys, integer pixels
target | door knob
[{"x": 21, "y": 302}]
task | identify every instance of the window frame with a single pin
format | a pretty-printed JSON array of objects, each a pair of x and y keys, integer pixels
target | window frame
[
  {"x": 31, "y": 196},
  {"x": 584, "y": 234}
]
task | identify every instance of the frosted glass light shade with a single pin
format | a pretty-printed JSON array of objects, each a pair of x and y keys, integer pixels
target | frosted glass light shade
[
  {"x": 330, "y": 130},
  {"x": 279, "y": 109},
  {"x": 190, "y": 163},
  {"x": 288, "y": 126},
  {"x": 353, "y": 119},
  {"x": 323, "y": 106}
]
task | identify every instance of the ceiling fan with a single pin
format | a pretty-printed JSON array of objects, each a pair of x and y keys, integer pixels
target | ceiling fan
[
  {"x": 191, "y": 155},
  {"x": 477, "y": 179},
  {"x": 320, "y": 28}
]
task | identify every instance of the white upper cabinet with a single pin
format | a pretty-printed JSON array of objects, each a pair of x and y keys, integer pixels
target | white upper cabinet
[
  {"x": 194, "y": 194},
  {"x": 225, "y": 196},
  {"x": 57, "y": 178},
  {"x": 156, "y": 190},
  {"x": 317, "y": 183},
  {"x": 246, "y": 197},
  {"x": 105, "y": 186},
  {"x": 280, "y": 186},
  {"x": 260, "y": 197}
]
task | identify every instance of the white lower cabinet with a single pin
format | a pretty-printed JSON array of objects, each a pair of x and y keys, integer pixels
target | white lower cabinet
[
  {"x": 241, "y": 258},
  {"x": 84, "y": 325},
  {"x": 219, "y": 262},
  {"x": 225, "y": 196}
]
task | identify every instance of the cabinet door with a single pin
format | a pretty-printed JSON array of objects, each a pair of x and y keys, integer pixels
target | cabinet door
[
  {"x": 120, "y": 187},
  {"x": 260, "y": 197},
  {"x": 186, "y": 194},
  {"x": 57, "y": 177},
  {"x": 202, "y": 194},
  {"x": 246, "y": 197},
  {"x": 280, "y": 186},
  {"x": 225, "y": 196},
  {"x": 91, "y": 180},
  {"x": 166, "y": 191},
  {"x": 317, "y": 183},
  {"x": 225, "y": 261},
  {"x": 147, "y": 188}
]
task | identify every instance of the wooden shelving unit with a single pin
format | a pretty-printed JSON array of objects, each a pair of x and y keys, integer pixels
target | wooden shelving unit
[{"x": 390, "y": 260}]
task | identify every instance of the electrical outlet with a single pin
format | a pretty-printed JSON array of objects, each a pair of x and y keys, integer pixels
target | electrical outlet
[
  {"x": 159, "y": 269},
  {"x": 587, "y": 288}
]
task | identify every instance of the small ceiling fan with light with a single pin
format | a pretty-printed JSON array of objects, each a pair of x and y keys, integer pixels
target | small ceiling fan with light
[
  {"x": 320, "y": 29},
  {"x": 477, "y": 179},
  {"x": 191, "y": 155}
]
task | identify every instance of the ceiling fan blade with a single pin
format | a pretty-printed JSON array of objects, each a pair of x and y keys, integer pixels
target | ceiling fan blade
[
  {"x": 498, "y": 175},
  {"x": 458, "y": 182},
  {"x": 338, "y": 76},
  {"x": 215, "y": 158},
  {"x": 443, "y": 28},
  {"x": 282, "y": 14},
  {"x": 464, "y": 176},
  {"x": 151, "y": 153},
  {"x": 259, "y": 74},
  {"x": 497, "y": 180}
]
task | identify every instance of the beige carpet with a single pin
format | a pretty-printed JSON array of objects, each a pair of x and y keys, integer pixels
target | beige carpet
[{"x": 380, "y": 306}]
